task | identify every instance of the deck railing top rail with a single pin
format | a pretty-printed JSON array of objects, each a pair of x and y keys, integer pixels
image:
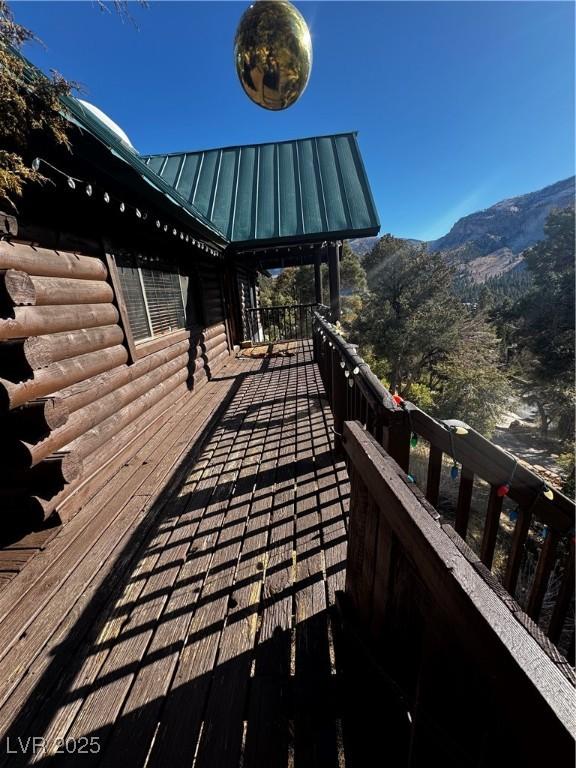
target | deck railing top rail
[
  {"x": 355, "y": 393},
  {"x": 284, "y": 322},
  {"x": 282, "y": 306}
]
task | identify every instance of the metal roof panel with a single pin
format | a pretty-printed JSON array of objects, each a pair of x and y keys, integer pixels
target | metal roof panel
[{"x": 246, "y": 189}]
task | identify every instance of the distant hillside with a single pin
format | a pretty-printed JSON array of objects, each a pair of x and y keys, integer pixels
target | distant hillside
[
  {"x": 488, "y": 243},
  {"x": 491, "y": 242},
  {"x": 363, "y": 245}
]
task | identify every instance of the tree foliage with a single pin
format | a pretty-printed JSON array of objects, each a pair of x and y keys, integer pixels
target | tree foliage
[
  {"x": 547, "y": 311},
  {"x": 29, "y": 105},
  {"x": 411, "y": 314},
  {"x": 471, "y": 380},
  {"x": 422, "y": 340},
  {"x": 544, "y": 322},
  {"x": 295, "y": 285}
]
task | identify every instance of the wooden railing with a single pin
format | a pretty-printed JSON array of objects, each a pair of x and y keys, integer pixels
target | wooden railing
[
  {"x": 282, "y": 323},
  {"x": 355, "y": 393},
  {"x": 455, "y": 677}
]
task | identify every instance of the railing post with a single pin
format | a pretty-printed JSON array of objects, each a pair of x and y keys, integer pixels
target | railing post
[
  {"x": 398, "y": 440},
  {"x": 338, "y": 400},
  {"x": 318, "y": 279},
  {"x": 334, "y": 279},
  {"x": 315, "y": 338},
  {"x": 328, "y": 363}
]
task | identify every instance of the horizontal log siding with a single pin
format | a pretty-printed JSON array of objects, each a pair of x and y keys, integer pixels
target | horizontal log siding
[{"x": 60, "y": 337}]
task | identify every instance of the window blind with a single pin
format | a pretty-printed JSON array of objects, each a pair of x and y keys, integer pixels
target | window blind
[
  {"x": 164, "y": 300},
  {"x": 134, "y": 300},
  {"x": 155, "y": 299}
]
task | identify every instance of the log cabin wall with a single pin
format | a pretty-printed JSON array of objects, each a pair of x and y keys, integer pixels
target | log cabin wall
[{"x": 73, "y": 398}]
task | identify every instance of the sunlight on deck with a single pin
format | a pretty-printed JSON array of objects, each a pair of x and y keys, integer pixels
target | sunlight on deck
[{"x": 218, "y": 644}]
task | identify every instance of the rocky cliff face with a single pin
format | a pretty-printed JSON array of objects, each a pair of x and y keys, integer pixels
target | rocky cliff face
[
  {"x": 363, "y": 245},
  {"x": 491, "y": 242}
]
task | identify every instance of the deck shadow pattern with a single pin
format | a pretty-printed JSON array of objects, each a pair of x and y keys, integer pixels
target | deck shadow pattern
[{"x": 211, "y": 639}]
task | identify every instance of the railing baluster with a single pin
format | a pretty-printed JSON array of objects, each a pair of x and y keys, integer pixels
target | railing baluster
[
  {"x": 357, "y": 403},
  {"x": 434, "y": 475},
  {"x": 464, "y": 501},
  {"x": 517, "y": 550},
  {"x": 352, "y": 400},
  {"x": 370, "y": 419},
  {"x": 363, "y": 411},
  {"x": 491, "y": 527},
  {"x": 542, "y": 576},
  {"x": 564, "y": 598},
  {"x": 375, "y": 428}
]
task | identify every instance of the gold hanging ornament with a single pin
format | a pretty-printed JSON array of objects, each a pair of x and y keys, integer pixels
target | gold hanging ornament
[{"x": 273, "y": 53}]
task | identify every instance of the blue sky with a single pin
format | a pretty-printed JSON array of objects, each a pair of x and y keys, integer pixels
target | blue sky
[{"x": 457, "y": 104}]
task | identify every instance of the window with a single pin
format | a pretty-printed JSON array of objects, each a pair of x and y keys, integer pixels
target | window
[
  {"x": 163, "y": 296},
  {"x": 131, "y": 286},
  {"x": 155, "y": 299}
]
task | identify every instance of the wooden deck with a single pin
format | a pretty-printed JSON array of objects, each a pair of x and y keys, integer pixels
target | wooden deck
[{"x": 192, "y": 626}]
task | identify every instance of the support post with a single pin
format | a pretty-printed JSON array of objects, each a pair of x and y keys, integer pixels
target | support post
[
  {"x": 334, "y": 279},
  {"x": 318, "y": 279}
]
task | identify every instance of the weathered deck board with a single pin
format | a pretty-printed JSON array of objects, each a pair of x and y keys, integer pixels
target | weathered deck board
[
  {"x": 45, "y": 589},
  {"x": 193, "y": 627},
  {"x": 44, "y": 576},
  {"x": 268, "y": 737},
  {"x": 315, "y": 727}
]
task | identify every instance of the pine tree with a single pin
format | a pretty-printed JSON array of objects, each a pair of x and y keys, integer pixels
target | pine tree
[
  {"x": 411, "y": 315},
  {"x": 545, "y": 325},
  {"x": 424, "y": 342}
]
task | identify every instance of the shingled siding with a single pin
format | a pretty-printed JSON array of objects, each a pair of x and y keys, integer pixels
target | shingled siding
[{"x": 72, "y": 400}]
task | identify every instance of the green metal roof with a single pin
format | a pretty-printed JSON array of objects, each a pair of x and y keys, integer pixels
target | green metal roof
[
  {"x": 313, "y": 188},
  {"x": 306, "y": 189}
]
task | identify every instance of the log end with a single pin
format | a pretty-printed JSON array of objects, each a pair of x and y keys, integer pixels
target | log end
[
  {"x": 37, "y": 352},
  {"x": 55, "y": 412},
  {"x": 19, "y": 287},
  {"x": 8, "y": 224},
  {"x": 71, "y": 465}
]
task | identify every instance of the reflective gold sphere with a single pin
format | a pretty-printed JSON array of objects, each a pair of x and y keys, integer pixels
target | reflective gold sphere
[{"x": 273, "y": 53}]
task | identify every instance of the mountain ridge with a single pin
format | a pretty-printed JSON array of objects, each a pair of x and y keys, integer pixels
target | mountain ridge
[{"x": 491, "y": 242}]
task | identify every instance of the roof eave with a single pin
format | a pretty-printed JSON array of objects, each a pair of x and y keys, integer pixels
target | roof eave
[
  {"x": 82, "y": 120},
  {"x": 304, "y": 239}
]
